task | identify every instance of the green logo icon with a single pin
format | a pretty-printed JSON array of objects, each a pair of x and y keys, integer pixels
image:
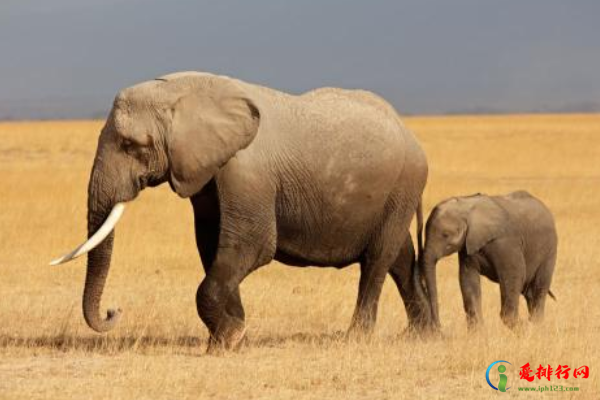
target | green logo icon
[{"x": 503, "y": 378}]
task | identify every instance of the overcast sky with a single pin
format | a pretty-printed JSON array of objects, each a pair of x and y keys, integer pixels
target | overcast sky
[{"x": 70, "y": 57}]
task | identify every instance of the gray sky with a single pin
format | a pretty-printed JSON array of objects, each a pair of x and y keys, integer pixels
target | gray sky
[{"x": 68, "y": 58}]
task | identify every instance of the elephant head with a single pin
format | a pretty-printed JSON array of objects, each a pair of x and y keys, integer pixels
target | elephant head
[
  {"x": 181, "y": 128},
  {"x": 458, "y": 224}
]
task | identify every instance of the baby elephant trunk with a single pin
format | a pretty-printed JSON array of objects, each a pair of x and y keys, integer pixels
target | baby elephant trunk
[{"x": 429, "y": 267}]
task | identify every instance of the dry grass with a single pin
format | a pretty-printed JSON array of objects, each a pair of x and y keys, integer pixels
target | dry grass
[{"x": 294, "y": 315}]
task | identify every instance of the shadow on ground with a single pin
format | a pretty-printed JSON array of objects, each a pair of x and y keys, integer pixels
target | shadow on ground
[
  {"x": 117, "y": 344},
  {"x": 100, "y": 344},
  {"x": 317, "y": 339}
]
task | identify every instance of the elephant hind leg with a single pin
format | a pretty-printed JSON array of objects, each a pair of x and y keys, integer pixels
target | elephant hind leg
[
  {"x": 417, "y": 309},
  {"x": 377, "y": 260},
  {"x": 509, "y": 263},
  {"x": 372, "y": 276},
  {"x": 536, "y": 301},
  {"x": 538, "y": 289}
]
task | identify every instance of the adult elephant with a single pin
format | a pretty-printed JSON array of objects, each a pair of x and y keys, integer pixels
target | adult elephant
[{"x": 327, "y": 178}]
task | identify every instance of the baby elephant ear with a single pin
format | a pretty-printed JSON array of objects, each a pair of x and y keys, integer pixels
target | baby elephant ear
[
  {"x": 486, "y": 221},
  {"x": 209, "y": 125}
]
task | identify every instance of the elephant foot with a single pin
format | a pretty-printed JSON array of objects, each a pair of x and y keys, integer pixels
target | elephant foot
[
  {"x": 536, "y": 318},
  {"x": 422, "y": 327},
  {"x": 424, "y": 333},
  {"x": 227, "y": 340},
  {"x": 417, "y": 331},
  {"x": 511, "y": 322},
  {"x": 359, "y": 334},
  {"x": 474, "y": 326},
  {"x": 520, "y": 328}
]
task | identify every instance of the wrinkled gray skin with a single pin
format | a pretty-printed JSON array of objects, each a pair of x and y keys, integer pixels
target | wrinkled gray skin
[
  {"x": 509, "y": 239},
  {"x": 328, "y": 178}
]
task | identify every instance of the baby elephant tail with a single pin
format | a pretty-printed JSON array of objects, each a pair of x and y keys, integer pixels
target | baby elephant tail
[{"x": 552, "y": 295}]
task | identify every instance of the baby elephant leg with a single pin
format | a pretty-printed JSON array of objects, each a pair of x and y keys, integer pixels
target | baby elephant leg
[
  {"x": 509, "y": 263},
  {"x": 509, "y": 298},
  {"x": 511, "y": 286},
  {"x": 538, "y": 289},
  {"x": 470, "y": 286}
]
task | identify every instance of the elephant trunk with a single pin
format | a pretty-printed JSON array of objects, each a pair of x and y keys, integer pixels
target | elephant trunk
[
  {"x": 98, "y": 262},
  {"x": 429, "y": 266},
  {"x": 425, "y": 320}
]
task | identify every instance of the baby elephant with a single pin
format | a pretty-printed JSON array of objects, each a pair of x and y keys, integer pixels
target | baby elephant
[{"x": 510, "y": 239}]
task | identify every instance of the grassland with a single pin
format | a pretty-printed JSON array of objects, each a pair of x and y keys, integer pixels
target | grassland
[{"x": 294, "y": 315}]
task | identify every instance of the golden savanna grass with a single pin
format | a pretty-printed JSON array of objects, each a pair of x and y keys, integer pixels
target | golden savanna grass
[{"x": 294, "y": 315}]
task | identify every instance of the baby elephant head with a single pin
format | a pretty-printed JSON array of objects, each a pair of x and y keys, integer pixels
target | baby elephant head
[{"x": 459, "y": 224}]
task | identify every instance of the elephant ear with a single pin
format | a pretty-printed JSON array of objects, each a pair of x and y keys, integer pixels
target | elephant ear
[
  {"x": 209, "y": 125},
  {"x": 486, "y": 221}
]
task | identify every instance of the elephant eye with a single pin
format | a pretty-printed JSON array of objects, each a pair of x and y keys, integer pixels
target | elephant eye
[{"x": 126, "y": 144}]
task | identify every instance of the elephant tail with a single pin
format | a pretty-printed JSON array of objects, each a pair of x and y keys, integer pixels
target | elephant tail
[
  {"x": 552, "y": 295},
  {"x": 419, "y": 264},
  {"x": 420, "y": 229}
]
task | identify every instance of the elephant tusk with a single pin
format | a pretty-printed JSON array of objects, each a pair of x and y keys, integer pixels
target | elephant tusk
[{"x": 97, "y": 238}]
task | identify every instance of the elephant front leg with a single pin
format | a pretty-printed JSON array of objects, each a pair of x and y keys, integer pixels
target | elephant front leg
[
  {"x": 511, "y": 285},
  {"x": 218, "y": 298},
  {"x": 470, "y": 287},
  {"x": 215, "y": 293},
  {"x": 207, "y": 237},
  {"x": 246, "y": 241},
  {"x": 509, "y": 308},
  {"x": 210, "y": 292}
]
